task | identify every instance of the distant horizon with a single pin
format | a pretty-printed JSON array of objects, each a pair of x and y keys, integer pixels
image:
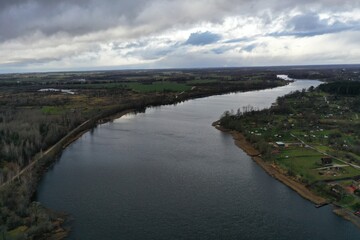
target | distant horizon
[{"x": 316, "y": 66}]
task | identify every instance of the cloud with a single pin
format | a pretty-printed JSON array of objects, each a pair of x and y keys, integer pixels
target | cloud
[
  {"x": 43, "y": 34},
  {"x": 76, "y": 18},
  {"x": 307, "y": 22},
  {"x": 237, "y": 40},
  {"x": 310, "y": 24},
  {"x": 202, "y": 38},
  {"x": 249, "y": 48},
  {"x": 222, "y": 49}
]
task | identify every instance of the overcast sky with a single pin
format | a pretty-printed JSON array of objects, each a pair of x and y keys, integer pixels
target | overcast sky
[{"x": 52, "y": 35}]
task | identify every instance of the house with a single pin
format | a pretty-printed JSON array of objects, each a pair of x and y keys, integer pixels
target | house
[
  {"x": 337, "y": 191},
  {"x": 350, "y": 189},
  {"x": 357, "y": 179},
  {"x": 81, "y": 80},
  {"x": 280, "y": 144},
  {"x": 275, "y": 151},
  {"x": 326, "y": 160}
]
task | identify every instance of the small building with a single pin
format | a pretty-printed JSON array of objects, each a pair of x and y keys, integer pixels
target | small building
[
  {"x": 337, "y": 191},
  {"x": 81, "y": 80},
  {"x": 357, "y": 179},
  {"x": 275, "y": 151},
  {"x": 326, "y": 160},
  {"x": 280, "y": 144},
  {"x": 350, "y": 189}
]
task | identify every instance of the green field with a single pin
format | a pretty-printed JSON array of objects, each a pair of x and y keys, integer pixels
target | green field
[
  {"x": 52, "y": 110},
  {"x": 304, "y": 163}
]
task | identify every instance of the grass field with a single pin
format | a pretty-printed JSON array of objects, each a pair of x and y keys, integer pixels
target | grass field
[
  {"x": 52, "y": 110},
  {"x": 17, "y": 233},
  {"x": 304, "y": 162}
]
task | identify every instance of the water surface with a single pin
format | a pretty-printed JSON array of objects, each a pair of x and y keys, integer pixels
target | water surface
[{"x": 168, "y": 174}]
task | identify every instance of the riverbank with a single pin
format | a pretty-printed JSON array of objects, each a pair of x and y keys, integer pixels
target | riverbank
[
  {"x": 281, "y": 176},
  {"x": 348, "y": 215},
  {"x": 271, "y": 169}
]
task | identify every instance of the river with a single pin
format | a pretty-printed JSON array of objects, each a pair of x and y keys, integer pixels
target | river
[{"x": 168, "y": 174}]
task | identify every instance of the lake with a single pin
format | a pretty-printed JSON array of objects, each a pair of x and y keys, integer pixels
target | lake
[{"x": 168, "y": 174}]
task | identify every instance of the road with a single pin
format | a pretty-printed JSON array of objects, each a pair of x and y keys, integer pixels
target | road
[
  {"x": 40, "y": 156},
  {"x": 317, "y": 150}
]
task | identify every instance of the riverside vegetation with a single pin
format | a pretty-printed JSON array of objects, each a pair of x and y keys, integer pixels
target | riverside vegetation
[
  {"x": 312, "y": 137},
  {"x": 42, "y": 113}
]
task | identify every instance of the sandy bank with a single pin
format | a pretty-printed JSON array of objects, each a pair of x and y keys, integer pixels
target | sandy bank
[{"x": 348, "y": 215}]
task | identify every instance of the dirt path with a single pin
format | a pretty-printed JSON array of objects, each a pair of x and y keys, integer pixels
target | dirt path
[
  {"x": 40, "y": 156},
  {"x": 324, "y": 153}
]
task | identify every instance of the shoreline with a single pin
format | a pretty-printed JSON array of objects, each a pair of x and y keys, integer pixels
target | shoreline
[
  {"x": 271, "y": 169},
  {"x": 97, "y": 122},
  {"x": 67, "y": 140},
  {"x": 241, "y": 142}
]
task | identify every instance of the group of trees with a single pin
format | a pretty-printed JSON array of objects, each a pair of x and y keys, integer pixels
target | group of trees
[
  {"x": 348, "y": 88},
  {"x": 20, "y": 140},
  {"x": 25, "y": 131},
  {"x": 241, "y": 119}
]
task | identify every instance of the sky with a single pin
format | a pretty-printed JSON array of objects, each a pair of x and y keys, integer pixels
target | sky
[{"x": 62, "y": 35}]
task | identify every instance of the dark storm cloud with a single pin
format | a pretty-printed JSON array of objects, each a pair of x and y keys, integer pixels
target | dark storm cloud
[
  {"x": 72, "y": 17},
  {"x": 202, "y": 38}
]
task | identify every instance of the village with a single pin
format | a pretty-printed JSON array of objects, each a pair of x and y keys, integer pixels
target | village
[{"x": 313, "y": 137}]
